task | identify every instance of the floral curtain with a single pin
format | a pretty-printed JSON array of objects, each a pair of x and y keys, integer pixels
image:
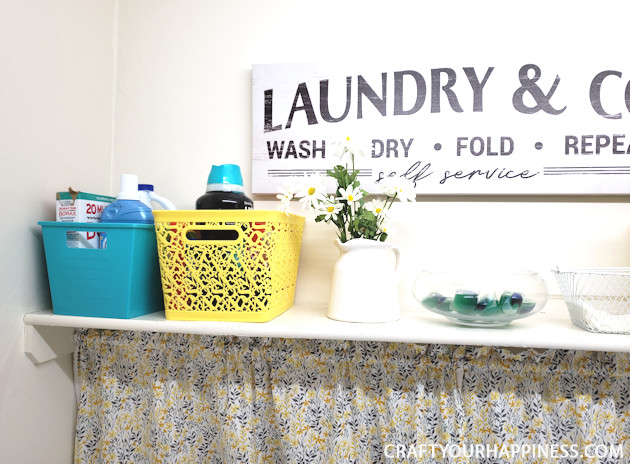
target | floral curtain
[{"x": 177, "y": 398}]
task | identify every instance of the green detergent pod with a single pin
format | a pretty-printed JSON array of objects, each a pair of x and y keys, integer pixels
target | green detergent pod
[
  {"x": 465, "y": 302},
  {"x": 433, "y": 300}
]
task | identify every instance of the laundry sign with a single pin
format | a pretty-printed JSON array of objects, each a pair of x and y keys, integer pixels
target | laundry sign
[{"x": 469, "y": 128}]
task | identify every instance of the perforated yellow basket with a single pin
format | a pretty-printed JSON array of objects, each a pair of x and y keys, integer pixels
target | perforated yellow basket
[{"x": 234, "y": 265}]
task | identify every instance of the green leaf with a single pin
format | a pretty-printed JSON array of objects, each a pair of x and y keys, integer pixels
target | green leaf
[
  {"x": 338, "y": 173},
  {"x": 364, "y": 224}
]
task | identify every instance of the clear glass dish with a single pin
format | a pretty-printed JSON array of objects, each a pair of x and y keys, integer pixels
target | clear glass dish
[{"x": 481, "y": 298}]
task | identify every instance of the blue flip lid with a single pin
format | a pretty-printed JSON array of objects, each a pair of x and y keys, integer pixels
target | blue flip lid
[{"x": 225, "y": 177}]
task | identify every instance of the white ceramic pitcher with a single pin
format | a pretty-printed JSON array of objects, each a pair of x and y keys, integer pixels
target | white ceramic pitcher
[{"x": 365, "y": 282}]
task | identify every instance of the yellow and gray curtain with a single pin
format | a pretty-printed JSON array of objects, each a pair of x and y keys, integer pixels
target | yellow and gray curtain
[{"x": 177, "y": 398}]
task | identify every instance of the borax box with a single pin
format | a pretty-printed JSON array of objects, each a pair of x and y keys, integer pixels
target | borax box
[{"x": 73, "y": 206}]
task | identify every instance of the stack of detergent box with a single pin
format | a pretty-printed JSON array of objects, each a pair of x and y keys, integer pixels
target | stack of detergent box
[{"x": 101, "y": 253}]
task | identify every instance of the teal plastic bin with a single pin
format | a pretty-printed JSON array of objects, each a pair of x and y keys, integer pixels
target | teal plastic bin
[{"x": 121, "y": 280}]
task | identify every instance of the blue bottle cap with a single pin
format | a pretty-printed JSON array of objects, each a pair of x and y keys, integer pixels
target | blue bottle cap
[
  {"x": 225, "y": 177},
  {"x": 127, "y": 211}
]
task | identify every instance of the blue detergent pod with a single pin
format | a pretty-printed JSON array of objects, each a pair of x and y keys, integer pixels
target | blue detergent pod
[
  {"x": 527, "y": 306},
  {"x": 510, "y": 302},
  {"x": 516, "y": 300}
]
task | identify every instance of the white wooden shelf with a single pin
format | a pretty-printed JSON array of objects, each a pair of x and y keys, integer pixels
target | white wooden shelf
[{"x": 550, "y": 328}]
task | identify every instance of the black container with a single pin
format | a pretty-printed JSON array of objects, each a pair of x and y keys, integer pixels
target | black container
[
  {"x": 223, "y": 191},
  {"x": 224, "y": 200}
]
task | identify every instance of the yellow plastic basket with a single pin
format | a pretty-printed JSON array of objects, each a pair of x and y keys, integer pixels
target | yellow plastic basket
[{"x": 228, "y": 265}]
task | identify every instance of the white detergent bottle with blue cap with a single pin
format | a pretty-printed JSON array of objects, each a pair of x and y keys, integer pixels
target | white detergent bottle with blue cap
[
  {"x": 128, "y": 208},
  {"x": 148, "y": 196}
]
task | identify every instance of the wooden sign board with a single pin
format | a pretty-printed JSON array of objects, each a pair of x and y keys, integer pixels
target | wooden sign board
[{"x": 525, "y": 128}]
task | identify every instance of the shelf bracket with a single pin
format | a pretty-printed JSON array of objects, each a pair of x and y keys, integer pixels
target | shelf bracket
[{"x": 44, "y": 343}]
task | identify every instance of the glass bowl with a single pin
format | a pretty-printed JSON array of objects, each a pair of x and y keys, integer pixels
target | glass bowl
[{"x": 481, "y": 298}]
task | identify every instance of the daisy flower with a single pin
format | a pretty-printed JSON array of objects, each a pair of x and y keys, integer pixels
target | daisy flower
[
  {"x": 350, "y": 194},
  {"x": 329, "y": 208},
  {"x": 400, "y": 187},
  {"x": 311, "y": 191},
  {"x": 376, "y": 206},
  {"x": 347, "y": 148},
  {"x": 285, "y": 196},
  {"x": 386, "y": 186},
  {"x": 387, "y": 227}
]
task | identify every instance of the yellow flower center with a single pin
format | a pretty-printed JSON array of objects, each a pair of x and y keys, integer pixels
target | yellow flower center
[
  {"x": 311, "y": 191},
  {"x": 350, "y": 198},
  {"x": 347, "y": 139},
  {"x": 378, "y": 210},
  {"x": 330, "y": 209}
]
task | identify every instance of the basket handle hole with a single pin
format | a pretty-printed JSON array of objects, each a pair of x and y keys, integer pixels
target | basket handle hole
[
  {"x": 212, "y": 234},
  {"x": 86, "y": 239}
]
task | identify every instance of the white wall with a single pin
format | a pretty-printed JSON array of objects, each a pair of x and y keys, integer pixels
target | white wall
[
  {"x": 182, "y": 101},
  {"x": 55, "y": 131}
]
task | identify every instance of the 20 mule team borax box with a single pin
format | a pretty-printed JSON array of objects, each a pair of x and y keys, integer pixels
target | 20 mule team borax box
[{"x": 74, "y": 206}]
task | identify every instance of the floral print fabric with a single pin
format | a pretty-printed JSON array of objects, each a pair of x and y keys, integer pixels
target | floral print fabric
[{"x": 179, "y": 398}]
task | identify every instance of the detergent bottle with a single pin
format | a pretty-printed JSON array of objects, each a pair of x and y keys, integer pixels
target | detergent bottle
[
  {"x": 127, "y": 208},
  {"x": 224, "y": 189},
  {"x": 148, "y": 196}
]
